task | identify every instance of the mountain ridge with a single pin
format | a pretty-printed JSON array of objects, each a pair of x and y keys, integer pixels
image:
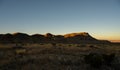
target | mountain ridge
[{"x": 79, "y": 37}]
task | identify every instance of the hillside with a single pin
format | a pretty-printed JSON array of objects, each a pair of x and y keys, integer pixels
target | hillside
[{"x": 81, "y": 37}]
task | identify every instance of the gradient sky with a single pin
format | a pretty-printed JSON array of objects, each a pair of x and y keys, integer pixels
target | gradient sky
[{"x": 100, "y": 18}]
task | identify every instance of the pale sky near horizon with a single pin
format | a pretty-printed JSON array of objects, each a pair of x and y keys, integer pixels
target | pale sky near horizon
[{"x": 100, "y": 18}]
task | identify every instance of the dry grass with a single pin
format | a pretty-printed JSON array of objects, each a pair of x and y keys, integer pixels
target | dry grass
[{"x": 49, "y": 57}]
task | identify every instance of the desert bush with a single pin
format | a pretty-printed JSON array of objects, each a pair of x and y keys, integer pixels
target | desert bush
[
  {"x": 60, "y": 45},
  {"x": 41, "y": 44},
  {"x": 82, "y": 45},
  {"x": 108, "y": 59},
  {"x": 69, "y": 45},
  {"x": 95, "y": 60},
  {"x": 53, "y": 44},
  {"x": 67, "y": 62},
  {"x": 91, "y": 46}
]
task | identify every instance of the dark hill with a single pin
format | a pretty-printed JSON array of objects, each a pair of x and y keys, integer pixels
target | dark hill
[{"x": 82, "y": 37}]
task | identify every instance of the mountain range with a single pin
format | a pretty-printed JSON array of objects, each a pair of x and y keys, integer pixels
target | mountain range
[{"x": 73, "y": 38}]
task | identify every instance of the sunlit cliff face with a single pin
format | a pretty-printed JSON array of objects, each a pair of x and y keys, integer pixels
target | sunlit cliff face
[{"x": 76, "y": 34}]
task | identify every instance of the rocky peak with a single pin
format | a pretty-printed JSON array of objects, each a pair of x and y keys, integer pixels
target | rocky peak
[{"x": 77, "y": 34}]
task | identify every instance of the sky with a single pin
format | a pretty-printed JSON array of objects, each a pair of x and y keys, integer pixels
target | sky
[{"x": 100, "y": 18}]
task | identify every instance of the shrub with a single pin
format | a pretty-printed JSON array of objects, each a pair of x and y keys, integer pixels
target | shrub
[
  {"x": 91, "y": 46},
  {"x": 41, "y": 44},
  {"x": 53, "y": 44},
  {"x": 69, "y": 45},
  {"x": 82, "y": 45},
  {"x": 108, "y": 59},
  {"x": 95, "y": 60}
]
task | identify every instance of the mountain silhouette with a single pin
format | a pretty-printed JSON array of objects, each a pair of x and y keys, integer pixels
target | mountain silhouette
[
  {"x": 73, "y": 38},
  {"x": 82, "y": 37}
]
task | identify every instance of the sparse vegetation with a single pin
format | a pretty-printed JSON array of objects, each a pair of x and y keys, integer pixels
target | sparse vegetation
[
  {"x": 82, "y": 45},
  {"x": 108, "y": 59},
  {"x": 39, "y": 57},
  {"x": 95, "y": 60},
  {"x": 51, "y": 52}
]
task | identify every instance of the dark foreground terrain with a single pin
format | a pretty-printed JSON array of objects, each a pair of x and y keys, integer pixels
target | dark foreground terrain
[{"x": 60, "y": 57}]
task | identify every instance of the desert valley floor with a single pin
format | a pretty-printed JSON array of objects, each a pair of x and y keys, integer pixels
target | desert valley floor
[{"x": 59, "y": 57}]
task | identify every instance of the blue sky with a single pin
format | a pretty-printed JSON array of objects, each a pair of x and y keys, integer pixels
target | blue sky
[{"x": 100, "y": 18}]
